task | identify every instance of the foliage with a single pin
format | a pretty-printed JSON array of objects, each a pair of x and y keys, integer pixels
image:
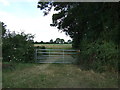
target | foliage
[
  {"x": 69, "y": 42},
  {"x": 40, "y": 47},
  {"x": 100, "y": 56},
  {"x": 89, "y": 25},
  {"x": 17, "y": 47},
  {"x": 77, "y": 19},
  {"x": 51, "y": 41},
  {"x": 59, "y": 41}
]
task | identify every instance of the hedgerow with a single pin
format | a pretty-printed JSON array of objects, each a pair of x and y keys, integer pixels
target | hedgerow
[
  {"x": 100, "y": 56},
  {"x": 17, "y": 47}
]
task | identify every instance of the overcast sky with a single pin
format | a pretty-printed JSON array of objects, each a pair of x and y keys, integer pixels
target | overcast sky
[{"x": 23, "y": 15}]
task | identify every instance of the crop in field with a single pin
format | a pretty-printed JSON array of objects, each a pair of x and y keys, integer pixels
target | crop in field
[{"x": 55, "y": 46}]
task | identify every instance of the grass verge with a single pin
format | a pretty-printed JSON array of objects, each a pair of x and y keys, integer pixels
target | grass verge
[{"x": 56, "y": 76}]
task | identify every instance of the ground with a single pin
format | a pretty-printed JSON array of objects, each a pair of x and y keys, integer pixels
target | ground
[{"x": 56, "y": 76}]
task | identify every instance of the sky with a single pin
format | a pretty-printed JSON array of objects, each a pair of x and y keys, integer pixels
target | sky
[{"x": 24, "y": 16}]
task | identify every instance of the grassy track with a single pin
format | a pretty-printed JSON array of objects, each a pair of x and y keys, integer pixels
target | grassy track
[
  {"x": 56, "y": 76},
  {"x": 55, "y": 46}
]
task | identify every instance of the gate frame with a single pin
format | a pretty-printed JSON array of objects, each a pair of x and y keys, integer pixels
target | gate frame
[{"x": 76, "y": 52}]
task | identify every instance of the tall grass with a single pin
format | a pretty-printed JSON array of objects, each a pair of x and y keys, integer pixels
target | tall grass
[{"x": 26, "y": 75}]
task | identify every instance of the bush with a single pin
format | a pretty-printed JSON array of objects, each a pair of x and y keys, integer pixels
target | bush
[
  {"x": 100, "y": 56},
  {"x": 18, "y": 47}
]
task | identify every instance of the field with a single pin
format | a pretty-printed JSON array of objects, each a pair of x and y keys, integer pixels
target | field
[
  {"x": 55, "y": 46},
  {"x": 56, "y": 76}
]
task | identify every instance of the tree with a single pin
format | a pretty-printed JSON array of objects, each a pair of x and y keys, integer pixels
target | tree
[
  {"x": 51, "y": 41},
  {"x": 80, "y": 20},
  {"x": 62, "y": 41},
  {"x": 3, "y": 28},
  {"x": 69, "y": 41},
  {"x": 57, "y": 40},
  {"x": 36, "y": 42},
  {"x": 41, "y": 42}
]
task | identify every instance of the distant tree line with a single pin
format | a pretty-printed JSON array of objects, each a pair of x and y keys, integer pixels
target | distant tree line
[{"x": 57, "y": 41}]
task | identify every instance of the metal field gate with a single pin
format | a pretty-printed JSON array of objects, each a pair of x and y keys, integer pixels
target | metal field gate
[{"x": 56, "y": 55}]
